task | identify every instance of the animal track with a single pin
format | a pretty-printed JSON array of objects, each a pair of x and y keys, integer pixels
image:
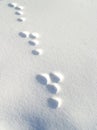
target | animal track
[
  {"x": 34, "y": 35},
  {"x": 19, "y": 11},
  {"x": 19, "y": 7},
  {"x": 53, "y": 88},
  {"x": 34, "y": 41},
  {"x": 54, "y": 102},
  {"x": 24, "y": 34},
  {"x": 56, "y": 77},
  {"x": 22, "y": 19},
  {"x": 37, "y": 52},
  {"x": 12, "y": 5},
  {"x": 43, "y": 78},
  {"x": 49, "y": 81},
  {"x": 16, "y": 6}
]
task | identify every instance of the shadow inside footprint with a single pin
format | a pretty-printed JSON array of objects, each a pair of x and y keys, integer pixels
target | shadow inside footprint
[
  {"x": 53, "y": 88},
  {"x": 35, "y": 52},
  {"x": 41, "y": 79},
  {"x": 52, "y": 103},
  {"x": 19, "y": 13},
  {"x": 31, "y": 43},
  {"x": 21, "y": 19},
  {"x": 23, "y": 34},
  {"x": 56, "y": 77},
  {"x": 10, "y": 5}
]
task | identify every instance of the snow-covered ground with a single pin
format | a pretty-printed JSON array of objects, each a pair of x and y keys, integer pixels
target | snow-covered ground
[{"x": 48, "y": 65}]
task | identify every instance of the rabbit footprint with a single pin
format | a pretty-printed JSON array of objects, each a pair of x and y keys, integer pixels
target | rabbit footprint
[
  {"x": 51, "y": 82},
  {"x": 18, "y": 11},
  {"x": 33, "y": 41}
]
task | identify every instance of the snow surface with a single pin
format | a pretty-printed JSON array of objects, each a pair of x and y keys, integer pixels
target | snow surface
[{"x": 68, "y": 39}]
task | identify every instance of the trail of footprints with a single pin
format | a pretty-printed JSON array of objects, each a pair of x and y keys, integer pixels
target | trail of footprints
[
  {"x": 34, "y": 41},
  {"x": 34, "y": 37},
  {"x": 52, "y": 80},
  {"x": 18, "y": 11}
]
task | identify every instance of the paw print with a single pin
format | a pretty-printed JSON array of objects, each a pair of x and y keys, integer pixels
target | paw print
[
  {"x": 18, "y": 11},
  {"x": 34, "y": 41},
  {"x": 51, "y": 81}
]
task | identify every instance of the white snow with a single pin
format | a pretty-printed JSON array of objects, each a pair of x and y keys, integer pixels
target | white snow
[{"x": 68, "y": 30}]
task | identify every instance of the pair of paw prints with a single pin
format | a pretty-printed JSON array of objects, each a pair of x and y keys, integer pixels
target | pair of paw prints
[
  {"x": 51, "y": 81},
  {"x": 34, "y": 41},
  {"x": 18, "y": 11}
]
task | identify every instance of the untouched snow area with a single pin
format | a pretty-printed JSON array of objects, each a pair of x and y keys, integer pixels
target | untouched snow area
[{"x": 48, "y": 65}]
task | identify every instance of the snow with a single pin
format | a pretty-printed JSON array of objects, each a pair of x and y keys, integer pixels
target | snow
[{"x": 69, "y": 45}]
